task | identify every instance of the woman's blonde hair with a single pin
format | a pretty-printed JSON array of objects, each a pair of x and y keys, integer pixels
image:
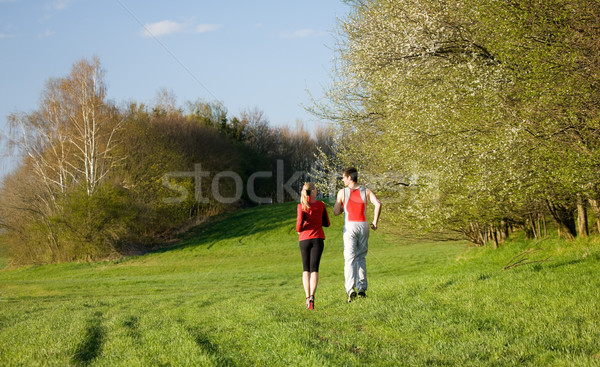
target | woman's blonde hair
[{"x": 307, "y": 190}]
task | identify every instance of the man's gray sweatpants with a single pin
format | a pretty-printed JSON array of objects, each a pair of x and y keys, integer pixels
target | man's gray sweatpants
[{"x": 356, "y": 245}]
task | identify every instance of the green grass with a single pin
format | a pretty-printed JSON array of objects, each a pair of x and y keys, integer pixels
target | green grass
[
  {"x": 231, "y": 295},
  {"x": 3, "y": 258}
]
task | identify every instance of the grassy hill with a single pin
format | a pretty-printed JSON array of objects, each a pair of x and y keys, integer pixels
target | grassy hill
[
  {"x": 230, "y": 294},
  {"x": 3, "y": 258}
]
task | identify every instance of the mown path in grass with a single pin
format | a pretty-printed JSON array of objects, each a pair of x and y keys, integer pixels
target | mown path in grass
[{"x": 230, "y": 294}]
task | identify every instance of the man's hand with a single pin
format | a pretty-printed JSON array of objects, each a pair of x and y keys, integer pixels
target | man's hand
[{"x": 374, "y": 226}]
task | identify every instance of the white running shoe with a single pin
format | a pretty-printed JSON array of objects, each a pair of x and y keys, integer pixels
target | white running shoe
[{"x": 351, "y": 295}]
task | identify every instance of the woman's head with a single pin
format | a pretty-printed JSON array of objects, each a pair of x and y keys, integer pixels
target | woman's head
[{"x": 308, "y": 190}]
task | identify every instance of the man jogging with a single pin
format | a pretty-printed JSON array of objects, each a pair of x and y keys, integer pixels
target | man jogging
[{"x": 352, "y": 201}]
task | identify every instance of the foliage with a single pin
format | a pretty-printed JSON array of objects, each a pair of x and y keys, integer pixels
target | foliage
[
  {"x": 467, "y": 114},
  {"x": 94, "y": 226},
  {"x": 96, "y": 180}
]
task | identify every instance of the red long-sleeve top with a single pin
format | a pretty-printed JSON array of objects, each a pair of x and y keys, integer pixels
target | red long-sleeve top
[{"x": 310, "y": 223}]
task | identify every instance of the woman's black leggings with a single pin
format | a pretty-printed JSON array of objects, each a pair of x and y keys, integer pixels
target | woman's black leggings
[{"x": 311, "y": 251}]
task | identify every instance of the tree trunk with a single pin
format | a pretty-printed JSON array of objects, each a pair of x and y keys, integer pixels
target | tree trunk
[
  {"x": 564, "y": 219},
  {"x": 493, "y": 236},
  {"x": 481, "y": 235},
  {"x": 544, "y": 224},
  {"x": 582, "y": 219},
  {"x": 530, "y": 230},
  {"x": 475, "y": 234},
  {"x": 595, "y": 205},
  {"x": 503, "y": 232}
]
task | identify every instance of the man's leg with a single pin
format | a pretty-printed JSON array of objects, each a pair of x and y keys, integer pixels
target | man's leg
[
  {"x": 350, "y": 261},
  {"x": 361, "y": 260}
]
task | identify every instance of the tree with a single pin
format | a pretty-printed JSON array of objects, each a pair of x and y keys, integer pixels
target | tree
[
  {"x": 67, "y": 147},
  {"x": 69, "y": 139},
  {"x": 552, "y": 50},
  {"x": 97, "y": 181},
  {"x": 471, "y": 106}
]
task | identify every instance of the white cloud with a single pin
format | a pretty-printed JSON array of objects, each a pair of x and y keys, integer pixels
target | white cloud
[
  {"x": 302, "y": 33},
  {"x": 162, "y": 28},
  {"x": 48, "y": 33},
  {"x": 58, "y": 4},
  {"x": 167, "y": 27},
  {"x": 203, "y": 28},
  {"x": 2, "y": 35}
]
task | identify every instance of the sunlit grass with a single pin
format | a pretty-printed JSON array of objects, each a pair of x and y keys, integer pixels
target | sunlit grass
[
  {"x": 3, "y": 258},
  {"x": 231, "y": 295}
]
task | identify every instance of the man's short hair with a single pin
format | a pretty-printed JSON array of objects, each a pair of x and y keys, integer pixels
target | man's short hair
[{"x": 352, "y": 173}]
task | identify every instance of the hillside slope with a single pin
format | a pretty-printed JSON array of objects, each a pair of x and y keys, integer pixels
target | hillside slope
[{"x": 230, "y": 294}]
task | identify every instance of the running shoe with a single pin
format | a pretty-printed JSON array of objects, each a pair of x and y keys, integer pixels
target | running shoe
[
  {"x": 311, "y": 304},
  {"x": 351, "y": 295}
]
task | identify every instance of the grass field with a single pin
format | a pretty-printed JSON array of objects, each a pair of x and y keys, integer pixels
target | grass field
[
  {"x": 3, "y": 258},
  {"x": 231, "y": 295}
]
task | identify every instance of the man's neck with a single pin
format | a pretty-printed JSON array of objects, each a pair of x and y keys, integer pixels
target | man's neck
[{"x": 353, "y": 186}]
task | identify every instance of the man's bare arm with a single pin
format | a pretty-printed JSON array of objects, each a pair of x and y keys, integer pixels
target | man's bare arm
[
  {"x": 375, "y": 201},
  {"x": 338, "y": 208}
]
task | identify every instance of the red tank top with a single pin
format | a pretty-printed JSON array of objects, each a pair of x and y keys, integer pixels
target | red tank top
[{"x": 356, "y": 207}]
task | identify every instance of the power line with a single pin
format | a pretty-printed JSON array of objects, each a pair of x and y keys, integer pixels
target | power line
[{"x": 166, "y": 49}]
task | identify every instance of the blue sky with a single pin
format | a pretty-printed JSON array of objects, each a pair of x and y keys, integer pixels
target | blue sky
[{"x": 246, "y": 54}]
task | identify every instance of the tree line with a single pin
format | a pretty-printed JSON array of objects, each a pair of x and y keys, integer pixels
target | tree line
[
  {"x": 477, "y": 116},
  {"x": 92, "y": 179}
]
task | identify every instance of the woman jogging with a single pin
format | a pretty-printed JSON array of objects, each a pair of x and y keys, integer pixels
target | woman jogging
[{"x": 312, "y": 217}]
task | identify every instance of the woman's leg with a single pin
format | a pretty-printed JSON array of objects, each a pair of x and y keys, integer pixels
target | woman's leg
[
  {"x": 315, "y": 260},
  {"x": 314, "y": 281},
  {"x": 306, "y": 281},
  {"x": 305, "y": 247}
]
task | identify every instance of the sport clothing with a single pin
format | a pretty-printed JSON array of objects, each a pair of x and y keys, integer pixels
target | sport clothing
[
  {"x": 356, "y": 239},
  {"x": 311, "y": 251},
  {"x": 310, "y": 223},
  {"x": 355, "y": 204}
]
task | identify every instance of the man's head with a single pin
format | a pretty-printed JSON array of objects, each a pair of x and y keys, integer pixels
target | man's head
[{"x": 350, "y": 174}]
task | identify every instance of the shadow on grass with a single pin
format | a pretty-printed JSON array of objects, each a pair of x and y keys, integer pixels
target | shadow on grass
[
  {"x": 564, "y": 263},
  {"x": 209, "y": 347},
  {"x": 444, "y": 285},
  {"x": 483, "y": 277},
  {"x": 132, "y": 326},
  {"x": 91, "y": 345}
]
